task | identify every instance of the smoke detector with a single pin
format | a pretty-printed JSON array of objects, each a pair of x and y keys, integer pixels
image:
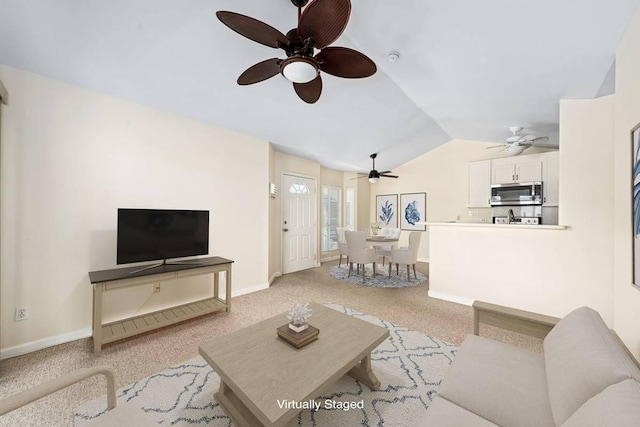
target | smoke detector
[{"x": 393, "y": 56}]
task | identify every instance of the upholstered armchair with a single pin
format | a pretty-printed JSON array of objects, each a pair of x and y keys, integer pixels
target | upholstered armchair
[
  {"x": 342, "y": 244},
  {"x": 356, "y": 241},
  {"x": 407, "y": 255},
  {"x": 388, "y": 233}
]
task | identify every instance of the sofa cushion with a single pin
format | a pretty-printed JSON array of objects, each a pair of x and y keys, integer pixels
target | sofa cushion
[
  {"x": 498, "y": 382},
  {"x": 443, "y": 413},
  {"x": 617, "y": 406},
  {"x": 582, "y": 359}
]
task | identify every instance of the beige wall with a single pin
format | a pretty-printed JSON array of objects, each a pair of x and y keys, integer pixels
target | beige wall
[
  {"x": 70, "y": 158},
  {"x": 274, "y": 218},
  {"x": 546, "y": 271},
  {"x": 627, "y": 110},
  {"x": 363, "y": 197}
]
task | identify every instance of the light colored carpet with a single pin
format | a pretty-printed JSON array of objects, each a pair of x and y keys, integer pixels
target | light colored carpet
[
  {"x": 409, "y": 365},
  {"x": 146, "y": 354},
  {"x": 380, "y": 280}
]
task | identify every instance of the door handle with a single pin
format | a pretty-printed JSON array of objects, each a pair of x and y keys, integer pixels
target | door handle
[{"x": 285, "y": 229}]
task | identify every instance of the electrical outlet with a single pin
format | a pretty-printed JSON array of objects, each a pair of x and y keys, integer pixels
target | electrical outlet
[
  {"x": 22, "y": 313},
  {"x": 156, "y": 288}
]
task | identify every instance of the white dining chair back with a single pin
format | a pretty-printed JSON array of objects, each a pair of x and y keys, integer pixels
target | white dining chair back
[
  {"x": 390, "y": 233},
  {"x": 384, "y": 251},
  {"x": 358, "y": 253},
  {"x": 408, "y": 255}
]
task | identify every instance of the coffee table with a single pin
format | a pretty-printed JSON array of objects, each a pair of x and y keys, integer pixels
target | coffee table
[{"x": 257, "y": 369}]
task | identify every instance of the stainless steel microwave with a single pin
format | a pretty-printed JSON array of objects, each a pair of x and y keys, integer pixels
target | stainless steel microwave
[{"x": 522, "y": 193}]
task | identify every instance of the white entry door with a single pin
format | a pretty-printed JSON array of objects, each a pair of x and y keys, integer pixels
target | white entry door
[{"x": 298, "y": 223}]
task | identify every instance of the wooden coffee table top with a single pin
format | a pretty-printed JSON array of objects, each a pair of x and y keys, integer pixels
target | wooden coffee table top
[{"x": 261, "y": 369}]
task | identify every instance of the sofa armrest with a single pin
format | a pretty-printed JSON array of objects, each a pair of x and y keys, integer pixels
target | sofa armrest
[
  {"x": 16, "y": 401},
  {"x": 524, "y": 322}
]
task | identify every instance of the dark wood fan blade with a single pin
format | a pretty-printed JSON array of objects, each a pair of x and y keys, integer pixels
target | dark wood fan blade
[
  {"x": 253, "y": 29},
  {"x": 261, "y": 71},
  {"x": 309, "y": 92},
  {"x": 389, "y": 176},
  {"x": 345, "y": 62},
  {"x": 324, "y": 21},
  {"x": 358, "y": 177},
  {"x": 384, "y": 172}
]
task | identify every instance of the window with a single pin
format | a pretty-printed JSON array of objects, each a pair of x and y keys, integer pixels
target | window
[
  {"x": 330, "y": 217},
  {"x": 299, "y": 188},
  {"x": 350, "y": 208}
]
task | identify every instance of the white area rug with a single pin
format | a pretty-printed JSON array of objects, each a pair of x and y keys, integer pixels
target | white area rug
[{"x": 410, "y": 366}]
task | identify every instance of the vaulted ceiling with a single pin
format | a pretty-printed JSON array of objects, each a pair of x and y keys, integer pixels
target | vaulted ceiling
[{"x": 468, "y": 69}]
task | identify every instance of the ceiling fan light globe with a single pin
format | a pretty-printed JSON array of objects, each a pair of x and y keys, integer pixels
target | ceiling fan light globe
[
  {"x": 299, "y": 70},
  {"x": 514, "y": 150},
  {"x": 373, "y": 179}
]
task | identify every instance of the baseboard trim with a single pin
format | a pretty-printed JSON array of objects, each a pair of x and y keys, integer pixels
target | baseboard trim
[
  {"x": 423, "y": 259},
  {"x": 250, "y": 289},
  {"x": 43, "y": 343},
  {"x": 331, "y": 258},
  {"x": 450, "y": 298},
  {"x": 274, "y": 277}
]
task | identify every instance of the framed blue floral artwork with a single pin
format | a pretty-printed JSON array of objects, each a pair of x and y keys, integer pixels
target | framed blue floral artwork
[
  {"x": 387, "y": 210},
  {"x": 635, "y": 203},
  {"x": 413, "y": 211}
]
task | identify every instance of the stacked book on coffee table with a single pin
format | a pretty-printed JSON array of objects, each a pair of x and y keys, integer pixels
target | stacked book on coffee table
[{"x": 298, "y": 339}]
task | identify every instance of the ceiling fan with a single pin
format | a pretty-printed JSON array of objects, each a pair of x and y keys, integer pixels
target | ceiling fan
[
  {"x": 374, "y": 175},
  {"x": 319, "y": 25},
  {"x": 517, "y": 143}
]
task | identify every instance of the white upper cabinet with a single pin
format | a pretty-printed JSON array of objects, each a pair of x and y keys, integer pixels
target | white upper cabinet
[
  {"x": 550, "y": 178},
  {"x": 479, "y": 184},
  {"x": 516, "y": 169}
]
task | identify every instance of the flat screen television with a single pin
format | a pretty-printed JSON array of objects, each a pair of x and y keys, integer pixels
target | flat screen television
[{"x": 161, "y": 234}]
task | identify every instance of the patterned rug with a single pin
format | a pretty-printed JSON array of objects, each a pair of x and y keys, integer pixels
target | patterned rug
[
  {"x": 382, "y": 279},
  {"x": 410, "y": 366}
]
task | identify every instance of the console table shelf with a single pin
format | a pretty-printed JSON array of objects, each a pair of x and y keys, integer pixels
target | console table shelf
[
  {"x": 136, "y": 325},
  {"x": 106, "y": 280}
]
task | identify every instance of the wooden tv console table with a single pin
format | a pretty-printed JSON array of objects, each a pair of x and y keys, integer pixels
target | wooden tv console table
[{"x": 105, "y": 280}]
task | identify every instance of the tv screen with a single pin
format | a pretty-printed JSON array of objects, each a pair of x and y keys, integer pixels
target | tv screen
[{"x": 160, "y": 234}]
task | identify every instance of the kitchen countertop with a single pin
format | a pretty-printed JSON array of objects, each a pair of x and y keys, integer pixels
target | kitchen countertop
[{"x": 492, "y": 225}]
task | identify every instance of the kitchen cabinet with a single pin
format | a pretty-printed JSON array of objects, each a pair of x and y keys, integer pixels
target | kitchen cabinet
[
  {"x": 516, "y": 169},
  {"x": 479, "y": 184},
  {"x": 550, "y": 171}
]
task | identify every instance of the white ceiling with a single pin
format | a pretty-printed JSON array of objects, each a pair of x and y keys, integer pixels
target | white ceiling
[{"x": 468, "y": 69}]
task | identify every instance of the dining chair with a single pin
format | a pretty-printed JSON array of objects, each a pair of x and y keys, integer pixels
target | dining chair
[
  {"x": 389, "y": 233},
  {"x": 358, "y": 253},
  {"x": 342, "y": 245},
  {"x": 407, "y": 255}
]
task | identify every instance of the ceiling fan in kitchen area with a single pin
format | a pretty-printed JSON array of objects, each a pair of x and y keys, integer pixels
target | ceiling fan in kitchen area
[
  {"x": 518, "y": 142},
  {"x": 374, "y": 175},
  {"x": 306, "y": 46}
]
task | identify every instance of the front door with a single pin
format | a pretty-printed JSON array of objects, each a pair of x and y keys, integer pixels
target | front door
[{"x": 298, "y": 223}]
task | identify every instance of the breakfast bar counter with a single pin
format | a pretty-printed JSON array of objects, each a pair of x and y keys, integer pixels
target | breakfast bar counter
[{"x": 492, "y": 225}]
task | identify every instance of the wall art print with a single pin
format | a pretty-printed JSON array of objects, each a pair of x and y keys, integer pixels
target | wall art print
[
  {"x": 413, "y": 211},
  {"x": 387, "y": 210},
  {"x": 635, "y": 203}
]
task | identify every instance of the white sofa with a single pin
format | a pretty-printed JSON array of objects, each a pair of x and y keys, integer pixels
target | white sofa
[{"x": 585, "y": 378}]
